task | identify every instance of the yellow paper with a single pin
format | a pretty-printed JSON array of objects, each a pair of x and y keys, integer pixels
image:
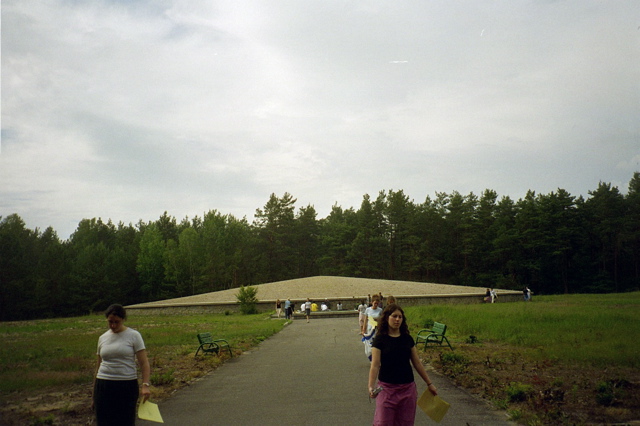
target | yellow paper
[
  {"x": 149, "y": 411},
  {"x": 433, "y": 405},
  {"x": 373, "y": 322}
]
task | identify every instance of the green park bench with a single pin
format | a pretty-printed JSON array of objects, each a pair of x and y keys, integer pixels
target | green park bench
[
  {"x": 208, "y": 345},
  {"x": 435, "y": 335}
]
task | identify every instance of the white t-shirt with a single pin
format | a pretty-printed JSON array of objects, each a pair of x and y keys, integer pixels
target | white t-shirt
[
  {"x": 118, "y": 354},
  {"x": 375, "y": 313}
]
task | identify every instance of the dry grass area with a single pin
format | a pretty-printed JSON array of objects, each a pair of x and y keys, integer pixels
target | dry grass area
[
  {"x": 558, "y": 393},
  {"x": 328, "y": 287}
]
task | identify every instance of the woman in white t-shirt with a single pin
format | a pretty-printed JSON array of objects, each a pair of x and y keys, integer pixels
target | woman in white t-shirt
[
  {"x": 372, "y": 311},
  {"x": 368, "y": 331},
  {"x": 115, "y": 389}
]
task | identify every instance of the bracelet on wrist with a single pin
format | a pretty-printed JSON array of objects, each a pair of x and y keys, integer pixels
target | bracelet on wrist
[{"x": 146, "y": 384}]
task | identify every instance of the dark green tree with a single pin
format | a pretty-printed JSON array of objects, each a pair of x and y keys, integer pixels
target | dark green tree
[
  {"x": 632, "y": 235},
  {"x": 606, "y": 211},
  {"x": 337, "y": 232},
  {"x": 150, "y": 263},
  {"x": 506, "y": 245},
  {"x": 460, "y": 219},
  {"x": 275, "y": 226},
  {"x": 306, "y": 241},
  {"x": 18, "y": 254},
  {"x": 431, "y": 233},
  {"x": 368, "y": 256},
  {"x": 400, "y": 214}
]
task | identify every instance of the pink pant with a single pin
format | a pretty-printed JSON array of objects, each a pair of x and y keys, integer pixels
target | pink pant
[{"x": 396, "y": 405}]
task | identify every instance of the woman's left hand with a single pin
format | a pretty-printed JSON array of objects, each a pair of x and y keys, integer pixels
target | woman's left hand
[
  {"x": 432, "y": 388},
  {"x": 145, "y": 392}
]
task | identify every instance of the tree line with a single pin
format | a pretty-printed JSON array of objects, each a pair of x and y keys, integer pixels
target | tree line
[{"x": 552, "y": 243}]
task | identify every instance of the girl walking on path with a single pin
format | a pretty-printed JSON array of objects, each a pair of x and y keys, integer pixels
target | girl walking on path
[
  {"x": 361, "y": 317},
  {"x": 373, "y": 311},
  {"x": 393, "y": 353},
  {"x": 368, "y": 330},
  {"x": 307, "y": 309}
]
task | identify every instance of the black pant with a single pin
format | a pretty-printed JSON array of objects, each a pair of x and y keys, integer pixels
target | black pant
[{"x": 115, "y": 402}]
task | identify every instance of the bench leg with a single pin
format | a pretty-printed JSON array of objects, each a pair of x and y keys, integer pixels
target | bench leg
[{"x": 447, "y": 340}]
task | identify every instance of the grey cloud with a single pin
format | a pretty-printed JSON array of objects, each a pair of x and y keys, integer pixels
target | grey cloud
[{"x": 128, "y": 109}]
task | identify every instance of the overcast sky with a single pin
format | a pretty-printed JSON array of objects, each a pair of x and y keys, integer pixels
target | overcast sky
[{"x": 126, "y": 109}]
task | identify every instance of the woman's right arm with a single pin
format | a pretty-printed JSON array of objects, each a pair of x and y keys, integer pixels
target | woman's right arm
[
  {"x": 365, "y": 322},
  {"x": 374, "y": 370},
  {"x": 95, "y": 376}
]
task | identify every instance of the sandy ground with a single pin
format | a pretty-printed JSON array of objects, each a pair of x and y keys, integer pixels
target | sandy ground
[{"x": 328, "y": 287}]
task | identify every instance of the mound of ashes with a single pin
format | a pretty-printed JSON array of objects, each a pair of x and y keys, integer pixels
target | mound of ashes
[{"x": 325, "y": 287}]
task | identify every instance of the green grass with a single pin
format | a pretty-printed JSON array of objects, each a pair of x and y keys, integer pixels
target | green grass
[
  {"x": 59, "y": 352},
  {"x": 598, "y": 330}
]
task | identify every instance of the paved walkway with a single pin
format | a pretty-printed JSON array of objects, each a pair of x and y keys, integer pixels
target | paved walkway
[{"x": 308, "y": 374}]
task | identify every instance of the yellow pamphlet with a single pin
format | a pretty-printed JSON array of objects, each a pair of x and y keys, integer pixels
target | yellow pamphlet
[
  {"x": 373, "y": 322},
  {"x": 149, "y": 411},
  {"x": 433, "y": 405}
]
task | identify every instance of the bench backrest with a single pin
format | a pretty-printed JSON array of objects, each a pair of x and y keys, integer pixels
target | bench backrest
[
  {"x": 205, "y": 338},
  {"x": 439, "y": 328}
]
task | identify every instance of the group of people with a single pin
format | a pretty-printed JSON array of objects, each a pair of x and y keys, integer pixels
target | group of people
[
  {"x": 392, "y": 353},
  {"x": 307, "y": 307},
  {"x": 491, "y": 295},
  {"x": 289, "y": 306}
]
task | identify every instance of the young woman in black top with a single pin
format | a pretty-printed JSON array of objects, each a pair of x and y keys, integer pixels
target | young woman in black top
[{"x": 393, "y": 353}]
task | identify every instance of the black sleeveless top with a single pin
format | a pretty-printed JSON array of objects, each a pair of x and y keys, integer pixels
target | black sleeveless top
[{"x": 395, "y": 358}]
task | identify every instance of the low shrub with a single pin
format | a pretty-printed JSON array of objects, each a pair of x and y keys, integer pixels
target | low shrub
[
  {"x": 611, "y": 391},
  {"x": 248, "y": 300},
  {"x": 518, "y": 392}
]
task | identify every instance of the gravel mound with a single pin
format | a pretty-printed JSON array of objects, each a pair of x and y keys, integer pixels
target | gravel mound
[{"x": 324, "y": 287}]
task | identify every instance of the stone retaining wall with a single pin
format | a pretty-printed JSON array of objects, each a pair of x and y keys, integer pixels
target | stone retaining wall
[{"x": 348, "y": 304}]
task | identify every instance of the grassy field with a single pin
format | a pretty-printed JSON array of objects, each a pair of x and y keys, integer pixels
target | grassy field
[
  {"x": 556, "y": 360},
  {"x": 42, "y": 361},
  {"x": 598, "y": 330},
  {"x": 37, "y": 354},
  {"x": 584, "y": 347}
]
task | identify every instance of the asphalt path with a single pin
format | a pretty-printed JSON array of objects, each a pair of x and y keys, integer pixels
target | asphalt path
[{"x": 308, "y": 374}]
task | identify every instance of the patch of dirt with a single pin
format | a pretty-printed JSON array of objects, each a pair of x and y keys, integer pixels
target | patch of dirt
[{"x": 72, "y": 406}]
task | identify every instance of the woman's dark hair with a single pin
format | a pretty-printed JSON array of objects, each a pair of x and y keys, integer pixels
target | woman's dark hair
[
  {"x": 117, "y": 310},
  {"x": 383, "y": 320}
]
